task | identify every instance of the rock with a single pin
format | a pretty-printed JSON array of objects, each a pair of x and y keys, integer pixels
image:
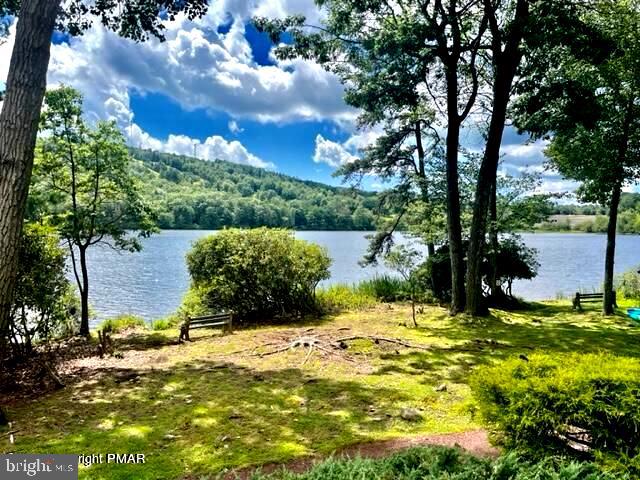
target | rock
[
  {"x": 170, "y": 436},
  {"x": 410, "y": 414},
  {"x": 441, "y": 388}
]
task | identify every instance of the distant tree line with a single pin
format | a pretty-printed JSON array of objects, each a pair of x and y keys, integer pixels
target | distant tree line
[
  {"x": 628, "y": 217},
  {"x": 193, "y": 193}
]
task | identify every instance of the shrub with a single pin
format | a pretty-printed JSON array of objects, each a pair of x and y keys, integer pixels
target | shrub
[
  {"x": 564, "y": 404},
  {"x": 160, "y": 324},
  {"x": 44, "y": 304},
  {"x": 345, "y": 297},
  {"x": 259, "y": 274},
  {"x": 628, "y": 284},
  {"x": 386, "y": 288},
  {"x": 166, "y": 323},
  {"x": 439, "y": 463},
  {"x": 514, "y": 261},
  {"x": 121, "y": 323}
]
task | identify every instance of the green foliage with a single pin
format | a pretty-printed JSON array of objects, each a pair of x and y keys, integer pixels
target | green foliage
[
  {"x": 386, "y": 288},
  {"x": 339, "y": 297},
  {"x": 82, "y": 182},
  {"x": 589, "y": 102},
  {"x": 259, "y": 274},
  {"x": 82, "y": 185},
  {"x": 440, "y": 463},
  {"x": 365, "y": 294},
  {"x": 628, "y": 284},
  {"x": 193, "y": 193},
  {"x": 137, "y": 20},
  {"x": 558, "y": 404},
  {"x": 514, "y": 261},
  {"x": 121, "y": 323},
  {"x": 166, "y": 323},
  {"x": 44, "y": 305}
]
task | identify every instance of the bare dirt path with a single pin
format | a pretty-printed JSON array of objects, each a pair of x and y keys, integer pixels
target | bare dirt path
[{"x": 475, "y": 442}]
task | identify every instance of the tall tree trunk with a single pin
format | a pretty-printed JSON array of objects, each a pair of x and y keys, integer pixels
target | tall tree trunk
[
  {"x": 19, "y": 119},
  {"x": 493, "y": 241},
  {"x": 607, "y": 304},
  {"x": 454, "y": 228},
  {"x": 84, "y": 293},
  {"x": 486, "y": 180},
  {"x": 431, "y": 249}
]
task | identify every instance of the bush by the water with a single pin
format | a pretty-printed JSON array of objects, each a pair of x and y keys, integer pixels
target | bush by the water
[
  {"x": 569, "y": 404},
  {"x": 628, "y": 284},
  {"x": 259, "y": 274},
  {"x": 121, "y": 323},
  {"x": 439, "y": 463},
  {"x": 514, "y": 260}
]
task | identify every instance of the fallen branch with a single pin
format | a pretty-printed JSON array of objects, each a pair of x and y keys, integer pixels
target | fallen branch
[{"x": 383, "y": 339}]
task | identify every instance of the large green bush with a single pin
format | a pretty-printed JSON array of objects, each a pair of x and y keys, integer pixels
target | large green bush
[
  {"x": 581, "y": 405},
  {"x": 259, "y": 274},
  {"x": 44, "y": 304},
  {"x": 439, "y": 463}
]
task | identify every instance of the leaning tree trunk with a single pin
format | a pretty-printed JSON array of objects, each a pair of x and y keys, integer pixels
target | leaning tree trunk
[
  {"x": 609, "y": 300},
  {"x": 486, "y": 180},
  {"x": 505, "y": 65},
  {"x": 19, "y": 119}
]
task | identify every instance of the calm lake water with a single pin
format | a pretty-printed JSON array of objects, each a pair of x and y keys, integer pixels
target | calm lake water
[{"x": 151, "y": 283}]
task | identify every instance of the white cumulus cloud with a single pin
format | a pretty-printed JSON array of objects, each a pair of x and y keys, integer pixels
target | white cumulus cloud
[{"x": 332, "y": 153}]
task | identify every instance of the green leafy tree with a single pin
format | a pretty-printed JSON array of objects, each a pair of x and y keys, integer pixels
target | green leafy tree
[
  {"x": 405, "y": 260},
  {"x": 25, "y": 87},
  {"x": 592, "y": 108},
  {"x": 94, "y": 198}
]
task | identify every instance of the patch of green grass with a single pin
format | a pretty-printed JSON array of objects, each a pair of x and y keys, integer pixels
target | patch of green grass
[
  {"x": 344, "y": 297},
  {"x": 205, "y": 406},
  {"x": 166, "y": 323},
  {"x": 385, "y": 288},
  {"x": 121, "y": 323}
]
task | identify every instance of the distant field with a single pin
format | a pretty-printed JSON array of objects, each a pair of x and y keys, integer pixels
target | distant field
[{"x": 573, "y": 220}]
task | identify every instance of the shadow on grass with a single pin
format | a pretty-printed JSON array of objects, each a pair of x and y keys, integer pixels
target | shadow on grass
[
  {"x": 199, "y": 417},
  {"x": 542, "y": 327}
]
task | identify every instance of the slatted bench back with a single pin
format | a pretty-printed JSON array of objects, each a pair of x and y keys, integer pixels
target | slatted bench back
[
  {"x": 221, "y": 319},
  {"x": 581, "y": 298}
]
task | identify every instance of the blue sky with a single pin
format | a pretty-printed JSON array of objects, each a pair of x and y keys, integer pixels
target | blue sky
[{"x": 215, "y": 84}]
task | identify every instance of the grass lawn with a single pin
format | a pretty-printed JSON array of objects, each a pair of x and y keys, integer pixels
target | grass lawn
[{"x": 213, "y": 404}]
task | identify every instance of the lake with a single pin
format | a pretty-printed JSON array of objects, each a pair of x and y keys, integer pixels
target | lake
[{"x": 151, "y": 283}]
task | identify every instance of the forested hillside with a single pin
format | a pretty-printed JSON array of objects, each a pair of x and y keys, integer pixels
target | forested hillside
[{"x": 193, "y": 193}]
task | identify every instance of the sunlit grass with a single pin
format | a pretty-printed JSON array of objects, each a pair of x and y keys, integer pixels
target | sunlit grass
[{"x": 209, "y": 405}]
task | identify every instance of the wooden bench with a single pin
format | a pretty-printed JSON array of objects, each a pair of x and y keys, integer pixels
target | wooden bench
[
  {"x": 581, "y": 298},
  {"x": 221, "y": 319}
]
